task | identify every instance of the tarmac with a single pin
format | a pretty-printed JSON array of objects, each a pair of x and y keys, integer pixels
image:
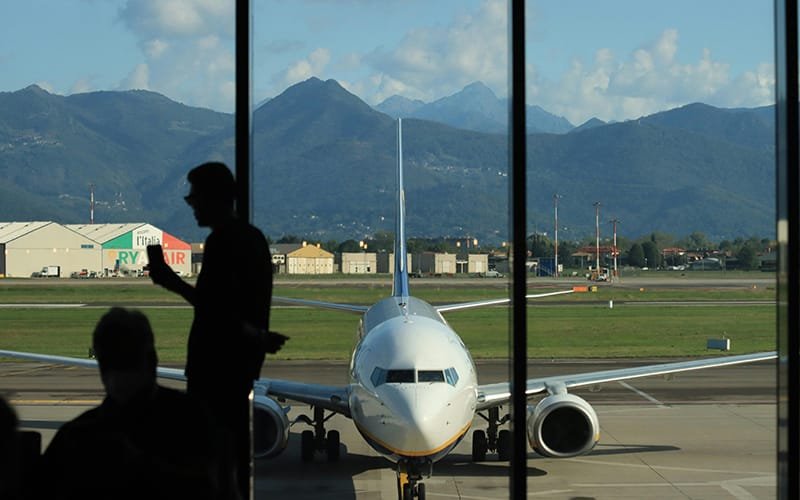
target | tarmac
[{"x": 709, "y": 434}]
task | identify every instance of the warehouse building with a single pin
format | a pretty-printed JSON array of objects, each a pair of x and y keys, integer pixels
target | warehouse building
[
  {"x": 473, "y": 263},
  {"x": 124, "y": 247},
  {"x": 386, "y": 262},
  {"x": 434, "y": 263},
  {"x": 28, "y": 247},
  {"x": 358, "y": 263}
]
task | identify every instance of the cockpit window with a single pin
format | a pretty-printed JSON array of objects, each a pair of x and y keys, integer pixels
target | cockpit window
[
  {"x": 378, "y": 376},
  {"x": 400, "y": 377},
  {"x": 452, "y": 376},
  {"x": 382, "y": 376},
  {"x": 430, "y": 376}
]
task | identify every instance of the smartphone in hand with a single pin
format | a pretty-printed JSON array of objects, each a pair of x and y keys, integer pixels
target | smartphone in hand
[{"x": 155, "y": 256}]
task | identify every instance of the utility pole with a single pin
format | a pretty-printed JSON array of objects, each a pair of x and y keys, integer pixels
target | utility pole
[
  {"x": 91, "y": 203},
  {"x": 615, "y": 252},
  {"x": 597, "y": 236},
  {"x": 555, "y": 211}
]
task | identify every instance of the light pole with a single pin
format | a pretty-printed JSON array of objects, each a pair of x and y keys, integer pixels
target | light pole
[
  {"x": 614, "y": 250},
  {"x": 597, "y": 236},
  {"x": 555, "y": 212}
]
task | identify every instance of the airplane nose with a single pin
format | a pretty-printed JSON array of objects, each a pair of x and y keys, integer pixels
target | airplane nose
[{"x": 424, "y": 416}]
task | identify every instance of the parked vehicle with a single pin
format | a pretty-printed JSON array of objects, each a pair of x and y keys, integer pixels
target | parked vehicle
[{"x": 50, "y": 272}]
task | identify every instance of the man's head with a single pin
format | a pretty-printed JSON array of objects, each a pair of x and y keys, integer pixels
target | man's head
[
  {"x": 126, "y": 354},
  {"x": 212, "y": 193}
]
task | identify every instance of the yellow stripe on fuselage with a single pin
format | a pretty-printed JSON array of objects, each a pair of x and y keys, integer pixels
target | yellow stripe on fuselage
[{"x": 406, "y": 453}]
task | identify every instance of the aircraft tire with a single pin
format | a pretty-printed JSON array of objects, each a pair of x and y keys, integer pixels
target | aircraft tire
[
  {"x": 479, "y": 446},
  {"x": 407, "y": 492},
  {"x": 307, "y": 446},
  {"x": 504, "y": 445},
  {"x": 332, "y": 446},
  {"x": 421, "y": 491}
]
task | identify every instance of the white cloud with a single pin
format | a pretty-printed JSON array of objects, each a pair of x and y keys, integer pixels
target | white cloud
[
  {"x": 81, "y": 86},
  {"x": 188, "y": 49},
  {"x": 155, "y": 48},
  {"x": 649, "y": 80},
  {"x": 313, "y": 65},
  {"x": 179, "y": 18},
  {"x": 138, "y": 79},
  {"x": 434, "y": 61}
]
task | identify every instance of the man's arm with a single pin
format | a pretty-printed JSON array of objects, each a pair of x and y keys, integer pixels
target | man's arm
[{"x": 164, "y": 275}]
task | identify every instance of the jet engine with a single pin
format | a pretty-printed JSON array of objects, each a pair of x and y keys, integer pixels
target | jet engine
[
  {"x": 562, "y": 425},
  {"x": 270, "y": 427}
]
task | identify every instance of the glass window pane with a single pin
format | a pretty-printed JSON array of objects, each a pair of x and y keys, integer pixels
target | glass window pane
[{"x": 659, "y": 190}]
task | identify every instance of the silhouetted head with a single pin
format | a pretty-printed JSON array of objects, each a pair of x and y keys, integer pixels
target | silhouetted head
[
  {"x": 212, "y": 193},
  {"x": 126, "y": 354},
  {"x": 8, "y": 423}
]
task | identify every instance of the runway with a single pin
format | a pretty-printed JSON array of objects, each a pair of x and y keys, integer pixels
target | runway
[{"x": 705, "y": 434}]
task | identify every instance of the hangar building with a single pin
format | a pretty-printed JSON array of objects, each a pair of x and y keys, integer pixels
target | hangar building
[
  {"x": 124, "y": 247},
  {"x": 27, "y": 247}
]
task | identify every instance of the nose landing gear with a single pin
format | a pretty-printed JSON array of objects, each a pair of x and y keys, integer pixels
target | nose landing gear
[{"x": 409, "y": 479}]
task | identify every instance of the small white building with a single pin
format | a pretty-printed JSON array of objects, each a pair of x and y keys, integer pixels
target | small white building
[
  {"x": 358, "y": 263},
  {"x": 309, "y": 259}
]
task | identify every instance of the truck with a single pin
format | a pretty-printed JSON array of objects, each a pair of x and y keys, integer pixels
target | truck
[{"x": 50, "y": 272}]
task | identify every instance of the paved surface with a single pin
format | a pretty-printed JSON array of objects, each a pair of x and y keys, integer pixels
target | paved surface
[{"x": 707, "y": 434}]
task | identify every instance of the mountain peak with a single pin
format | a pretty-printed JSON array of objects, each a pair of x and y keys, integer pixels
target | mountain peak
[
  {"x": 478, "y": 88},
  {"x": 35, "y": 89}
]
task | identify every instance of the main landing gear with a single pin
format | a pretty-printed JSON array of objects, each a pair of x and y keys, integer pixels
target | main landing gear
[
  {"x": 492, "y": 439},
  {"x": 318, "y": 439},
  {"x": 409, "y": 479}
]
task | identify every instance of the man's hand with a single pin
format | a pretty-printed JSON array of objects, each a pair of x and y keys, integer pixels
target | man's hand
[
  {"x": 163, "y": 275},
  {"x": 273, "y": 341}
]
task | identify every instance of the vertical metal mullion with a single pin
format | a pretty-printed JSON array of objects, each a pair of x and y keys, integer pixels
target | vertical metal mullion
[
  {"x": 244, "y": 122},
  {"x": 788, "y": 233},
  {"x": 244, "y": 153},
  {"x": 518, "y": 204}
]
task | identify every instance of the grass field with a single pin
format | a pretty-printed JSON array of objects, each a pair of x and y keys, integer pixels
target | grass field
[{"x": 574, "y": 326}]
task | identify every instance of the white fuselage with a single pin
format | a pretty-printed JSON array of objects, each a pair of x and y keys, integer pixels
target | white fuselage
[{"x": 413, "y": 382}]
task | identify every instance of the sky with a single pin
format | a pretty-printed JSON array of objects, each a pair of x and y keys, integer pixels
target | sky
[{"x": 611, "y": 59}]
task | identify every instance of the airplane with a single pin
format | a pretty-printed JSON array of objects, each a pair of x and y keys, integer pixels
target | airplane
[{"x": 413, "y": 391}]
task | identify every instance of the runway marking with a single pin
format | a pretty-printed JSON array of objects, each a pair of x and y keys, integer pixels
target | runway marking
[
  {"x": 471, "y": 497},
  {"x": 671, "y": 468},
  {"x": 42, "y": 306},
  {"x": 642, "y": 394},
  {"x": 55, "y": 402},
  {"x": 733, "y": 487}
]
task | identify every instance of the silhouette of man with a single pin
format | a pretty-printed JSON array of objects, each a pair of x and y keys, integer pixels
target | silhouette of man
[
  {"x": 10, "y": 482},
  {"x": 144, "y": 440},
  {"x": 229, "y": 335}
]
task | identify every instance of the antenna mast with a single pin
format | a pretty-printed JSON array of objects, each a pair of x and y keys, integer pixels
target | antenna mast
[{"x": 91, "y": 203}]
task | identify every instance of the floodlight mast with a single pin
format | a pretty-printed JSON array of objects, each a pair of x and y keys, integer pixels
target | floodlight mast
[
  {"x": 597, "y": 237},
  {"x": 556, "y": 196},
  {"x": 614, "y": 251}
]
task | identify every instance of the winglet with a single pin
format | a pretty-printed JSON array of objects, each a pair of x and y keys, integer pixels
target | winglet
[{"x": 400, "y": 285}]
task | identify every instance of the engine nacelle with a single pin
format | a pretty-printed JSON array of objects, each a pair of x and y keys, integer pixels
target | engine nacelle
[
  {"x": 270, "y": 427},
  {"x": 562, "y": 425}
]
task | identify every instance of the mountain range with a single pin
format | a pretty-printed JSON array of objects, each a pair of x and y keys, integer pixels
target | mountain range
[
  {"x": 324, "y": 166},
  {"x": 475, "y": 107}
]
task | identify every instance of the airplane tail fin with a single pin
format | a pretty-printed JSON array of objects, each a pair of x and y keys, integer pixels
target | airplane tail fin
[{"x": 400, "y": 285}]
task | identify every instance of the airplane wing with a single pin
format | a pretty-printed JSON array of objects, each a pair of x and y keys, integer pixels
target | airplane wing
[
  {"x": 161, "y": 372},
  {"x": 498, "y": 394},
  {"x": 324, "y": 305},
  {"x": 494, "y": 302},
  {"x": 328, "y": 397},
  {"x": 331, "y": 398}
]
